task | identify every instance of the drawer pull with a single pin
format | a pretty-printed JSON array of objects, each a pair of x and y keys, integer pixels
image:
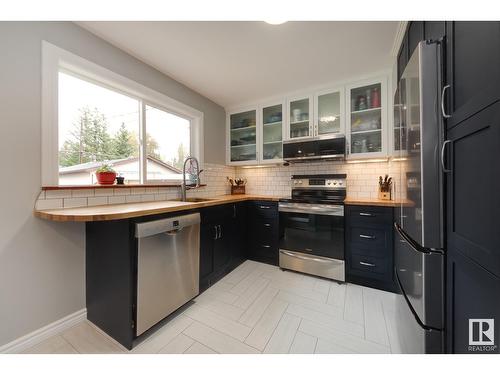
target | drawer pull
[
  {"x": 267, "y": 225},
  {"x": 266, "y": 246},
  {"x": 367, "y": 264},
  {"x": 264, "y": 207},
  {"x": 366, "y": 214},
  {"x": 367, "y": 236}
]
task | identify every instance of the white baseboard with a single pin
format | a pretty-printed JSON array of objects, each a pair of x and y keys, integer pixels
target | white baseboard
[{"x": 52, "y": 329}]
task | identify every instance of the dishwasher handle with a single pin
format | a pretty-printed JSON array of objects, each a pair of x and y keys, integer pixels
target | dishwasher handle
[{"x": 169, "y": 226}]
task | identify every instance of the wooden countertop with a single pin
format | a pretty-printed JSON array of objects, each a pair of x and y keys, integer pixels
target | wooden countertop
[
  {"x": 130, "y": 210},
  {"x": 375, "y": 202}
]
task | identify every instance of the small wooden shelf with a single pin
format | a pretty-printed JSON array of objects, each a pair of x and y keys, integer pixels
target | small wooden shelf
[{"x": 114, "y": 186}]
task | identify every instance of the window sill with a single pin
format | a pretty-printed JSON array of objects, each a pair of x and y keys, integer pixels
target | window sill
[{"x": 114, "y": 186}]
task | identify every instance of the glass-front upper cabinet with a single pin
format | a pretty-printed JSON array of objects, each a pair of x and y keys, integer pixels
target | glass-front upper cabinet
[
  {"x": 243, "y": 137},
  {"x": 367, "y": 118},
  {"x": 272, "y": 133},
  {"x": 300, "y": 116},
  {"x": 329, "y": 112}
]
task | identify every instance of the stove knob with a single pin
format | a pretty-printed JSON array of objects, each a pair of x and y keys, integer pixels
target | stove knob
[
  {"x": 300, "y": 182},
  {"x": 340, "y": 183},
  {"x": 335, "y": 183}
]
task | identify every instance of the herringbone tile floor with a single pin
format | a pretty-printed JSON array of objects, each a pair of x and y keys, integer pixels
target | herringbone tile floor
[{"x": 258, "y": 308}]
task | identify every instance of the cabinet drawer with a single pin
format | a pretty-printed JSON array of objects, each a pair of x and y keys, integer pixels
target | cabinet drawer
[
  {"x": 263, "y": 250},
  {"x": 264, "y": 229},
  {"x": 264, "y": 209},
  {"x": 369, "y": 237},
  {"x": 369, "y": 216},
  {"x": 370, "y": 266}
]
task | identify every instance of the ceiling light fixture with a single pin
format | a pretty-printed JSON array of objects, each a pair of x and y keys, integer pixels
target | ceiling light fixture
[{"x": 276, "y": 21}]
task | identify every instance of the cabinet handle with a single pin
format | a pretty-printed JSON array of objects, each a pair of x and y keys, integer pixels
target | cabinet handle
[
  {"x": 220, "y": 231},
  {"x": 443, "y": 151},
  {"x": 366, "y": 214},
  {"x": 216, "y": 232},
  {"x": 267, "y": 224},
  {"x": 265, "y": 207},
  {"x": 266, "y": 246},
  {"x": 367, "y": 264},
  {"x": 367, "y": 236},
  {"x": 443, "y": 94}
]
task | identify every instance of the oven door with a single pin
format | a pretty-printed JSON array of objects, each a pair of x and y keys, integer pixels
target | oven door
[{"x": 312, "y": 229}]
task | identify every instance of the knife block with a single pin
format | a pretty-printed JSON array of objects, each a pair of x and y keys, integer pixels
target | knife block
[
  {"x": 238, "y": 189},
  {"x": 385, "y": 195}
]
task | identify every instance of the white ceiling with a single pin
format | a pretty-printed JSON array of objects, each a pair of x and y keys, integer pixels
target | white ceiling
[{"x": 239, "y": 62}]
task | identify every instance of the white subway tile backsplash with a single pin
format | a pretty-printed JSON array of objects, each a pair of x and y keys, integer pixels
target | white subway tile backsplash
[
  {"x": 137, "y": 191},
  {"x": 161, "y": 197},
  {"x": 97, "y": 201},
  {"x": 104, "y": 192},
  {"x": 82, "y": 193},
  {"x": 362, "y": 182},
  {"x": 49, "y": 204},
  {"x": 117, "y": 199},
  {"x": 147, "y": 197},
  {"x": 74, "y": 202},
  {"x": 53, "y": 194},
  {"x": 362, "y": 178},
  {"x": 121, "y": 191},
  {"x": 133, "y": 198}
]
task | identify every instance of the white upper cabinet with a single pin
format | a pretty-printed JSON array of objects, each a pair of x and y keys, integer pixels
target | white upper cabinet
[
  {"x": 300, "y": 117},
  {"x": 272, "y": 132},
  {"x": 242, "y": 137},
  {"x": 329, "y": 112},
  {"x": 359, "y": 111},
  {"x": 367, "y": 119}
]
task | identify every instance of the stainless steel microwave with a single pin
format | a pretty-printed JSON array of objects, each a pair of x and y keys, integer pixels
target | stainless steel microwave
[{"x": 318, "y": 148}]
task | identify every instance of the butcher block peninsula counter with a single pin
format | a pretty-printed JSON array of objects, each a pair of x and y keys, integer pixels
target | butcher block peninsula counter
[{"x": 132, "y": 210}]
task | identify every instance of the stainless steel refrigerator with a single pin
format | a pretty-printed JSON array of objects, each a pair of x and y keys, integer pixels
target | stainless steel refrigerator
[{"x": 419, "y": 229}]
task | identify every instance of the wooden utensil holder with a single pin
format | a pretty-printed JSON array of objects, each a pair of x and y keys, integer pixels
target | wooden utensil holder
[
  {"x": 235, "y": 190},
  {"x": 384, "y": 195}
]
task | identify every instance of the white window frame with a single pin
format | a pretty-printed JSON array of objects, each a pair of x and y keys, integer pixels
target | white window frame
[{"x": 54, "y": 60}]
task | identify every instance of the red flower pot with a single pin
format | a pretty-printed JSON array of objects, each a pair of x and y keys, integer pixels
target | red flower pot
[{"x": 106, "y": 178}]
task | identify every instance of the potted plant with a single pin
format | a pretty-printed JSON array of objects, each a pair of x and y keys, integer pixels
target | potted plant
[{"x": 105, "y": 175}]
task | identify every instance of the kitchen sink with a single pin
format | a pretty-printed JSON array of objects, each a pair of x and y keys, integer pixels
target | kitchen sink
[{"x": 196, "y": 200}]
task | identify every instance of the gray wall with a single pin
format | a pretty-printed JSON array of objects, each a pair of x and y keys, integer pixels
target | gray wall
[{"x": 42, "y": 263}]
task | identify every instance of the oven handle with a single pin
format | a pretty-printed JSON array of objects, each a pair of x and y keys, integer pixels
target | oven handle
[
  {"x": 306, "y": 257},
  {"x": 318, "y": 210}
]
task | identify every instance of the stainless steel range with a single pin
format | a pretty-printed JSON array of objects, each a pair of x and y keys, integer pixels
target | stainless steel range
[{"x": 312, "y": 226}]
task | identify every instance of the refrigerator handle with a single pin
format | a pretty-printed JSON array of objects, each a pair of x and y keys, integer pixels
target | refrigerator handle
[
  {"x": 443, "y": 151},
  {"x": 443, "y": 94}
]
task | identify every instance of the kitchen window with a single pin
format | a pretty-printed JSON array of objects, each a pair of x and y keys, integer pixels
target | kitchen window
[{"x": 92, "y": 116}]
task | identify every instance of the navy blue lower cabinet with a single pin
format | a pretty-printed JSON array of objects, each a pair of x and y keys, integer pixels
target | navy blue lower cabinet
[
  {"x": 473, "y": 306},
  {"x": 369, "y": 248},
  {"x": 263, "y": 232},
  {"x": 221, "y": 247}
]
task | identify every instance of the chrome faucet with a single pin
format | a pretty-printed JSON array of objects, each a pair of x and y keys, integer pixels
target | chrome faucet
[{"x": 184, "y": 186}]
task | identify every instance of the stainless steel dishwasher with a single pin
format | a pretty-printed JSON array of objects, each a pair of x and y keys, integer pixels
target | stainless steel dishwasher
[{"x": 167, "y": 267}]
